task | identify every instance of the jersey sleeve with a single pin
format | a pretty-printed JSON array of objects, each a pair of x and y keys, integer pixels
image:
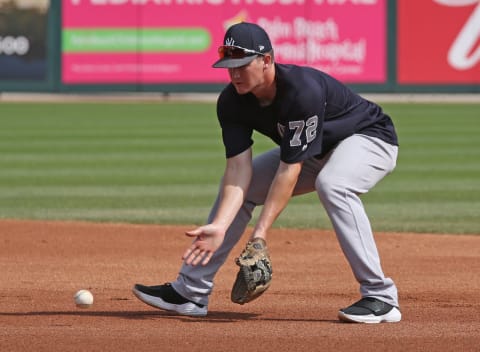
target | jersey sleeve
[
  {"x": 237, "y": 137},
  {"x": 303, "y": 131}
]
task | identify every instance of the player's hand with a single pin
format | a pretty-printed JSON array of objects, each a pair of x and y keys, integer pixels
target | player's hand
[{"x": 208, "y": 239}]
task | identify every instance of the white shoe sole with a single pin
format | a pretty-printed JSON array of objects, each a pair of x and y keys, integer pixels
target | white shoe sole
[
  {"x": 394, "y": 316},
  {"x": 190, "y": 309}
]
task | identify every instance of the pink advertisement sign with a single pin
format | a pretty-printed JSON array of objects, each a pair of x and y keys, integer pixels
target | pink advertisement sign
[{"x": 176, "y": 41}]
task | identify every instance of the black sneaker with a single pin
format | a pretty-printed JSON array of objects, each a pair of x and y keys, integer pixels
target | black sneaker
[
  {"x": 370, "y": 310},
  {"x": 165, "y": 297}
]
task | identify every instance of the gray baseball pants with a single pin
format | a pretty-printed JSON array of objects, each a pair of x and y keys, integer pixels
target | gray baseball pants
[{"x": 352, "y": 168}]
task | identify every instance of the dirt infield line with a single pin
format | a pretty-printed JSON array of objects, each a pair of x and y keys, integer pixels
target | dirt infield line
[{"x": 44, "y": 263}]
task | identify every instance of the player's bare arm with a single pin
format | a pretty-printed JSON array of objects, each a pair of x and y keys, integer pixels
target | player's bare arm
[
  {"x": 208, "y": 238},
  {"x": 278, "y": 196}
]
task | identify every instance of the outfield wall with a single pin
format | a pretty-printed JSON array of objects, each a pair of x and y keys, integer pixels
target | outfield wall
[{"x": 384, "y": 46}]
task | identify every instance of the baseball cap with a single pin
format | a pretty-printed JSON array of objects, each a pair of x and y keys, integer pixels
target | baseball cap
[{"x": 242, "y": 43}]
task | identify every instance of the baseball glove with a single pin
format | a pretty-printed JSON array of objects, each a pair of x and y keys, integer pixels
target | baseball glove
[{"x": 255, "y": 272}]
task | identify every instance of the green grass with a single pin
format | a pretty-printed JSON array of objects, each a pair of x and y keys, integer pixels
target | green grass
[{"x": 161, "y": 163}]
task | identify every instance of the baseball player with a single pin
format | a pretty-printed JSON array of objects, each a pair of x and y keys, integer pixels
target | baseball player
[{"x": 330, "y": 140}]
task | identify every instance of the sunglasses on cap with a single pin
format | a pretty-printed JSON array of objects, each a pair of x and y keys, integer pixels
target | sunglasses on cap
[{"x": 236, "y": 52}]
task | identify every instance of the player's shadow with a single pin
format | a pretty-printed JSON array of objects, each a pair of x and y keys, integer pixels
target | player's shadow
[
  {"x": 134, "y": 315},
  {"x": 212, "y": 317}
]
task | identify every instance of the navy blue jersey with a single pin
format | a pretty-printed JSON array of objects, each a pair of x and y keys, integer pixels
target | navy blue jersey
[{"x": 311, "y": 113}]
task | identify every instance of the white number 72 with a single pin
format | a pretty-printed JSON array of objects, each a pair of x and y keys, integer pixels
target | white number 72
[{"x": 299, "y": 126}]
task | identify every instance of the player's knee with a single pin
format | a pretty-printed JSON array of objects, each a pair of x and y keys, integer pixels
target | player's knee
[{"x": 329, "y": 187}]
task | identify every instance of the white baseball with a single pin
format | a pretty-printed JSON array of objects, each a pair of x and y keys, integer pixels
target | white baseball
[{"x": 83, "y": 299}]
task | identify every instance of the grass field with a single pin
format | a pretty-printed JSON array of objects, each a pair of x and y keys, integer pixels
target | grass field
[{"x": 161, "y": 163}]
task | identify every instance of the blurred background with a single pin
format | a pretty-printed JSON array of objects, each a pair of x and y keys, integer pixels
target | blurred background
[
  {"x": 104, "y": 149},
  {"x": 383, "y": 46}
]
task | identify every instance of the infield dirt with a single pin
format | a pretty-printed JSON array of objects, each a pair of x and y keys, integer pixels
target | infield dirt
[{"x": 43, "y": 264}]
